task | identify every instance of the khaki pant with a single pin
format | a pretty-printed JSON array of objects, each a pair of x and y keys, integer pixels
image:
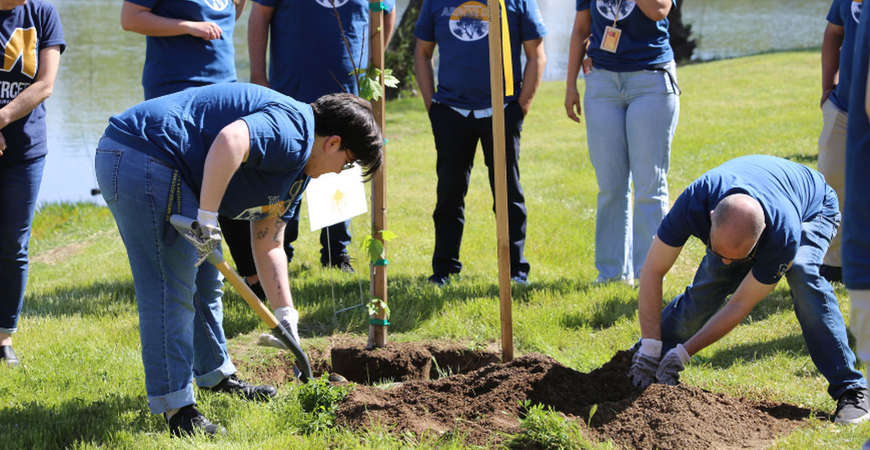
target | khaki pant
[
  {"x": 860, "y": 322},
  {"x": 832, "y": 164}
]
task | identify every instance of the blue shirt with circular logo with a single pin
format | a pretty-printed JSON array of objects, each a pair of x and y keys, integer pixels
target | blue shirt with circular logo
[{"x": 460, "y": 28}]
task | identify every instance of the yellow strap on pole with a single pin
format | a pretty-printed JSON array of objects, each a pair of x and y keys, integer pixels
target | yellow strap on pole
[{"x": 507, "y": 57}]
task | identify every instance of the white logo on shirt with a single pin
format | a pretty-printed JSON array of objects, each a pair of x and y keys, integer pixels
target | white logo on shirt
[
  {"x": 329, "y": 3},
  {"x": 217, "y": 5},
  {"x": 615, "y": 9},
  {"x": 469, "y": 21},
  {"x": 856, "y": 10}
]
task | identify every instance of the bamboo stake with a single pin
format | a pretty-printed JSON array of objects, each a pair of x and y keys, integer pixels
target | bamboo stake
[
  {"x": 378, "y": 273},
  {"x": 496, "y": 81}
]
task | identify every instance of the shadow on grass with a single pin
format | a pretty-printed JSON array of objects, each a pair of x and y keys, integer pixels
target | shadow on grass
[
  {"x": 792, "y": 343},
  {"x": 802, "y": 158},
  {"x": 95, "y": 299},
  {"x": 603, "y": 314},
  {"x": 33, "y": 425}
]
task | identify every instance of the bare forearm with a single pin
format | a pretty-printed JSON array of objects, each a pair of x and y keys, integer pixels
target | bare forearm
[
  {"x": 425, "y": 77},
  {"x": 25, "y": 102},
  {"x": 258, "y": 40},
  {"x": 532, "y": 75},
  {"x": 718, "y": 326},
  {"x": 267, "y": 242},
  {"x": 226, "y": 154},
  {"x": 649, "y": 306},
  {"x": 150, "y": 24},
  {"x": 830, "y": 58}
]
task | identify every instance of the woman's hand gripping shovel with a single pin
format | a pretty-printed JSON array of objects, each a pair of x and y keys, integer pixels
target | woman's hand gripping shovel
[{"x": 207, "y": 246}]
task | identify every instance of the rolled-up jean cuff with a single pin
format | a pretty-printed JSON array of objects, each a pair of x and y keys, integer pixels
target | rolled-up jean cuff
[
  {"x": 8, "y": 330},
  {"x": 211, "y": 379},
  {"x": 173, "y": 400},
  {"x": 860, "y": 322}
]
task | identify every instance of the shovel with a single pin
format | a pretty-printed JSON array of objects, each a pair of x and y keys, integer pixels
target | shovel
[{"x": 186, "y": 227}]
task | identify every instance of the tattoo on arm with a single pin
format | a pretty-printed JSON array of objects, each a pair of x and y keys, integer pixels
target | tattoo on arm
[{"x": 262, "y": 234}]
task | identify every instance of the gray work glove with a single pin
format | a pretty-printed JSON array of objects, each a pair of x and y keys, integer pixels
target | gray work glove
[
  {"x": 292, "y": 319},
  {"x": 672, "y": 364},
  {"x": 205, "y": 236},
  {"x": 645, "y": 362}
]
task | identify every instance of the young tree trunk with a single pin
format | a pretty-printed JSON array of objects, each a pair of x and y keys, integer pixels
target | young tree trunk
[
  {"x": 681, "y": 40},
  {"x": 400, "y": 53}
]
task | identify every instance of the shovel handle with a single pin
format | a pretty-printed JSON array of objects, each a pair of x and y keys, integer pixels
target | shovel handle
[{"x": 247, "y": 294}]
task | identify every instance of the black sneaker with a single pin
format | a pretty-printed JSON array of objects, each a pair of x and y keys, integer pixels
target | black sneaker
[
  {"x": 8, "y": 355},
  {"x": 233, "y": 385},
  {"x": 257, "y": 288},
  {"x": 852, "y": 407},
  {"x": 831, "y": 273},
  {"x": 439, "y": 280},
  {"x": 341, "y": 263},
  {"x": 188, "y": 420}
]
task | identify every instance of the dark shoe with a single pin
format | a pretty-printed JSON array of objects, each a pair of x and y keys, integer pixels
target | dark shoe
[
  {"x": 188, "y": 420},
  {"x": 521, "y": 279},
  {"x": 341, "y": 263},
  {"x": 233, "y": 385},
  {"x": 8, "y": 355},
  {"x": 258, "y": 290},
  {"x": 439, "y": 280},
  {"x": 831, "y": 273},
  {"x": 852, "y": 407}
]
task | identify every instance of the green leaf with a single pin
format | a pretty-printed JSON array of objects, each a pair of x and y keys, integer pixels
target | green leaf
[
  {"x": 376, "y": 303},
  {"x": 387, "y": 235},
  {"x": 376, "y": 249}
]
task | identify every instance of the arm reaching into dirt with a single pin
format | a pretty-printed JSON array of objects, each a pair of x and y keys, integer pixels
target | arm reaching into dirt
[
  {"x": 659, "y": 260},
  {"x": 748, "y": 294}
]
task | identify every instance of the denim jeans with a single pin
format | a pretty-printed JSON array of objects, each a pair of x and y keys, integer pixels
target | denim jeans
[
  {"x": 180, "y": 310},
  {"x": 456, "y": 138},
  {"x": 19, "y": 187},
  {"x": 630, "y": 122},
  {"x": 815, "y": 305}
]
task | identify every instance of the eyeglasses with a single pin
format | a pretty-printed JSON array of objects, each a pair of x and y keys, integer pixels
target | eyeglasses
[{"x": 746, "y": 258}]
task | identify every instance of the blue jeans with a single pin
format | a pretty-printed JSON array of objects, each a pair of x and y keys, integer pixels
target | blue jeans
[
  {"x": 815, "y": 305},
  {"x": 630, "y": 122},
  {"x": 180, "y": 310},
  {"x": 19, "y": 187}
]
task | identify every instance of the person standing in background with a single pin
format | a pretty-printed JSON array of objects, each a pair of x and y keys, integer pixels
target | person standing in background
[
  {"x": 837, "y": 50},
  {"x": 33, "y": 38},
  {"x": 632, "y": 105},
  {"x": 460, "y": 111},
  {"x": 189, "y": 42}
]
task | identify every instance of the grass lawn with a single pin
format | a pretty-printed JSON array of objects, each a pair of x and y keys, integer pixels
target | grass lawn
[{"x": 81, "y": 382}]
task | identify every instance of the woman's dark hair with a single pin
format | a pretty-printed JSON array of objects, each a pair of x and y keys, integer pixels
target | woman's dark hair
[{"x": 350, "y": 117}]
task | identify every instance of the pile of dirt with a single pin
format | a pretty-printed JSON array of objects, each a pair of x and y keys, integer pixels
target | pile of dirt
[{"x": 486, "y": 403}]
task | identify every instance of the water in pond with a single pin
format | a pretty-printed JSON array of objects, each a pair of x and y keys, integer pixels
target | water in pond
[{"x": 102, "y": 65}]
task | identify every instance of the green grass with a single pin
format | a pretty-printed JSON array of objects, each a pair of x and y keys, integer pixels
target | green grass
[{"x": 81, "y": 384}]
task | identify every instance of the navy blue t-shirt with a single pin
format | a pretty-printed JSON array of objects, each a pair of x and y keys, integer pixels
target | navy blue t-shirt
[
  {"x": 173, "y": 63},
  {"x": 460, "y": 28},
  {"x": 308, "y": 56},
  {"x": 24, "y": 31},
  {"x": 846, "y": 14},
  {"x": 856, "y": 220},
  {"x": 789, "y": 193},
  {"x": 179, "y": 129},
  {"x": 643, "y": 44}
]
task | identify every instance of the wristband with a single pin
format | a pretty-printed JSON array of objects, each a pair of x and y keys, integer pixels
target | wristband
[
  {"x": 651, "y": 347},
  {"x": 207, "y": 218}
]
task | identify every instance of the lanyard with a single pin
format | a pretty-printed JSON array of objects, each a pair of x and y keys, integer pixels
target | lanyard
[{"x": 616, "y": 12}]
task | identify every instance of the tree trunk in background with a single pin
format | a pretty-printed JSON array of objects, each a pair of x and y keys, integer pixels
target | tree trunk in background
[
  {"x": 680, "y": 34},
  {"x": 400, "y": 53}
]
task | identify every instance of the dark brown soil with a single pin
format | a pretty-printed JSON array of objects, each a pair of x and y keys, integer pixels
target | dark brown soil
[{"x": 485, "y": 404}]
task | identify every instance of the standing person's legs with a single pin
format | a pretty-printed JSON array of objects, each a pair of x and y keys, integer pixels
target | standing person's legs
[
  {"x": 334, "y": 241},
  {"x": 816, "y": 306},
  {"x": 237, "y": 235},
  {"x": 517, "y": 216},
  {"x": 650, "y": 122},
  {"x": 832, "y": 164},
  {"x": 455, "y": 144},
  {"x": 689, "y": 311},
  {"x": 291, "y": 231},
  {"x": 19, "y": 189},
  {"x": 605, "y": 108}
]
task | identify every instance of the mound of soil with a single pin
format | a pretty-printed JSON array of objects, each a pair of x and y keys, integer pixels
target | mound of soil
[{"x": 485, "y": 404}]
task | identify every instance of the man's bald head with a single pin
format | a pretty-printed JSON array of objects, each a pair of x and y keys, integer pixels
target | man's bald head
[{"x": 738, "y": 221}]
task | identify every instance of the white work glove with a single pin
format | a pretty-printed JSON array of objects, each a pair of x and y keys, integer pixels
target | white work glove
[
  {"x": 206, "y": 238},
  {"x": 645, "y": 362},
  {"x": 672, "y": 364},
  {"x": 291, "y": 315}
]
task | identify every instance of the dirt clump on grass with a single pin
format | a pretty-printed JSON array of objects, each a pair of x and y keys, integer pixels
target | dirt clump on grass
[{"x": 485, "y": 405}]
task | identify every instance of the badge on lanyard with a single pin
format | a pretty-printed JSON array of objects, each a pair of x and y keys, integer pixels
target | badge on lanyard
[{"x": 611, "y": 39}]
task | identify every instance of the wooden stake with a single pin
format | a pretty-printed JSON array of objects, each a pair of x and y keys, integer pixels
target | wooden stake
[
  {"x": 496, "y": 82},
  {"x": 378, "y": 273}
]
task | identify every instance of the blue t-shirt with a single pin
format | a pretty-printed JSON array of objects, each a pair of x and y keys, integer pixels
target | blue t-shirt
[
  {"x": 308, "y": 56},
  {"x": 846, "y": 14},
  {"x": 173, "y": 63},
  {"x": 24, "y": 31},
  {"x": 643, "y": 44},
  {"x": 179, "y": 129},
  {"x": 460, "y": 28},
  {"x": 789, "y": 193},
  {"x": 856, "y": 220}
]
